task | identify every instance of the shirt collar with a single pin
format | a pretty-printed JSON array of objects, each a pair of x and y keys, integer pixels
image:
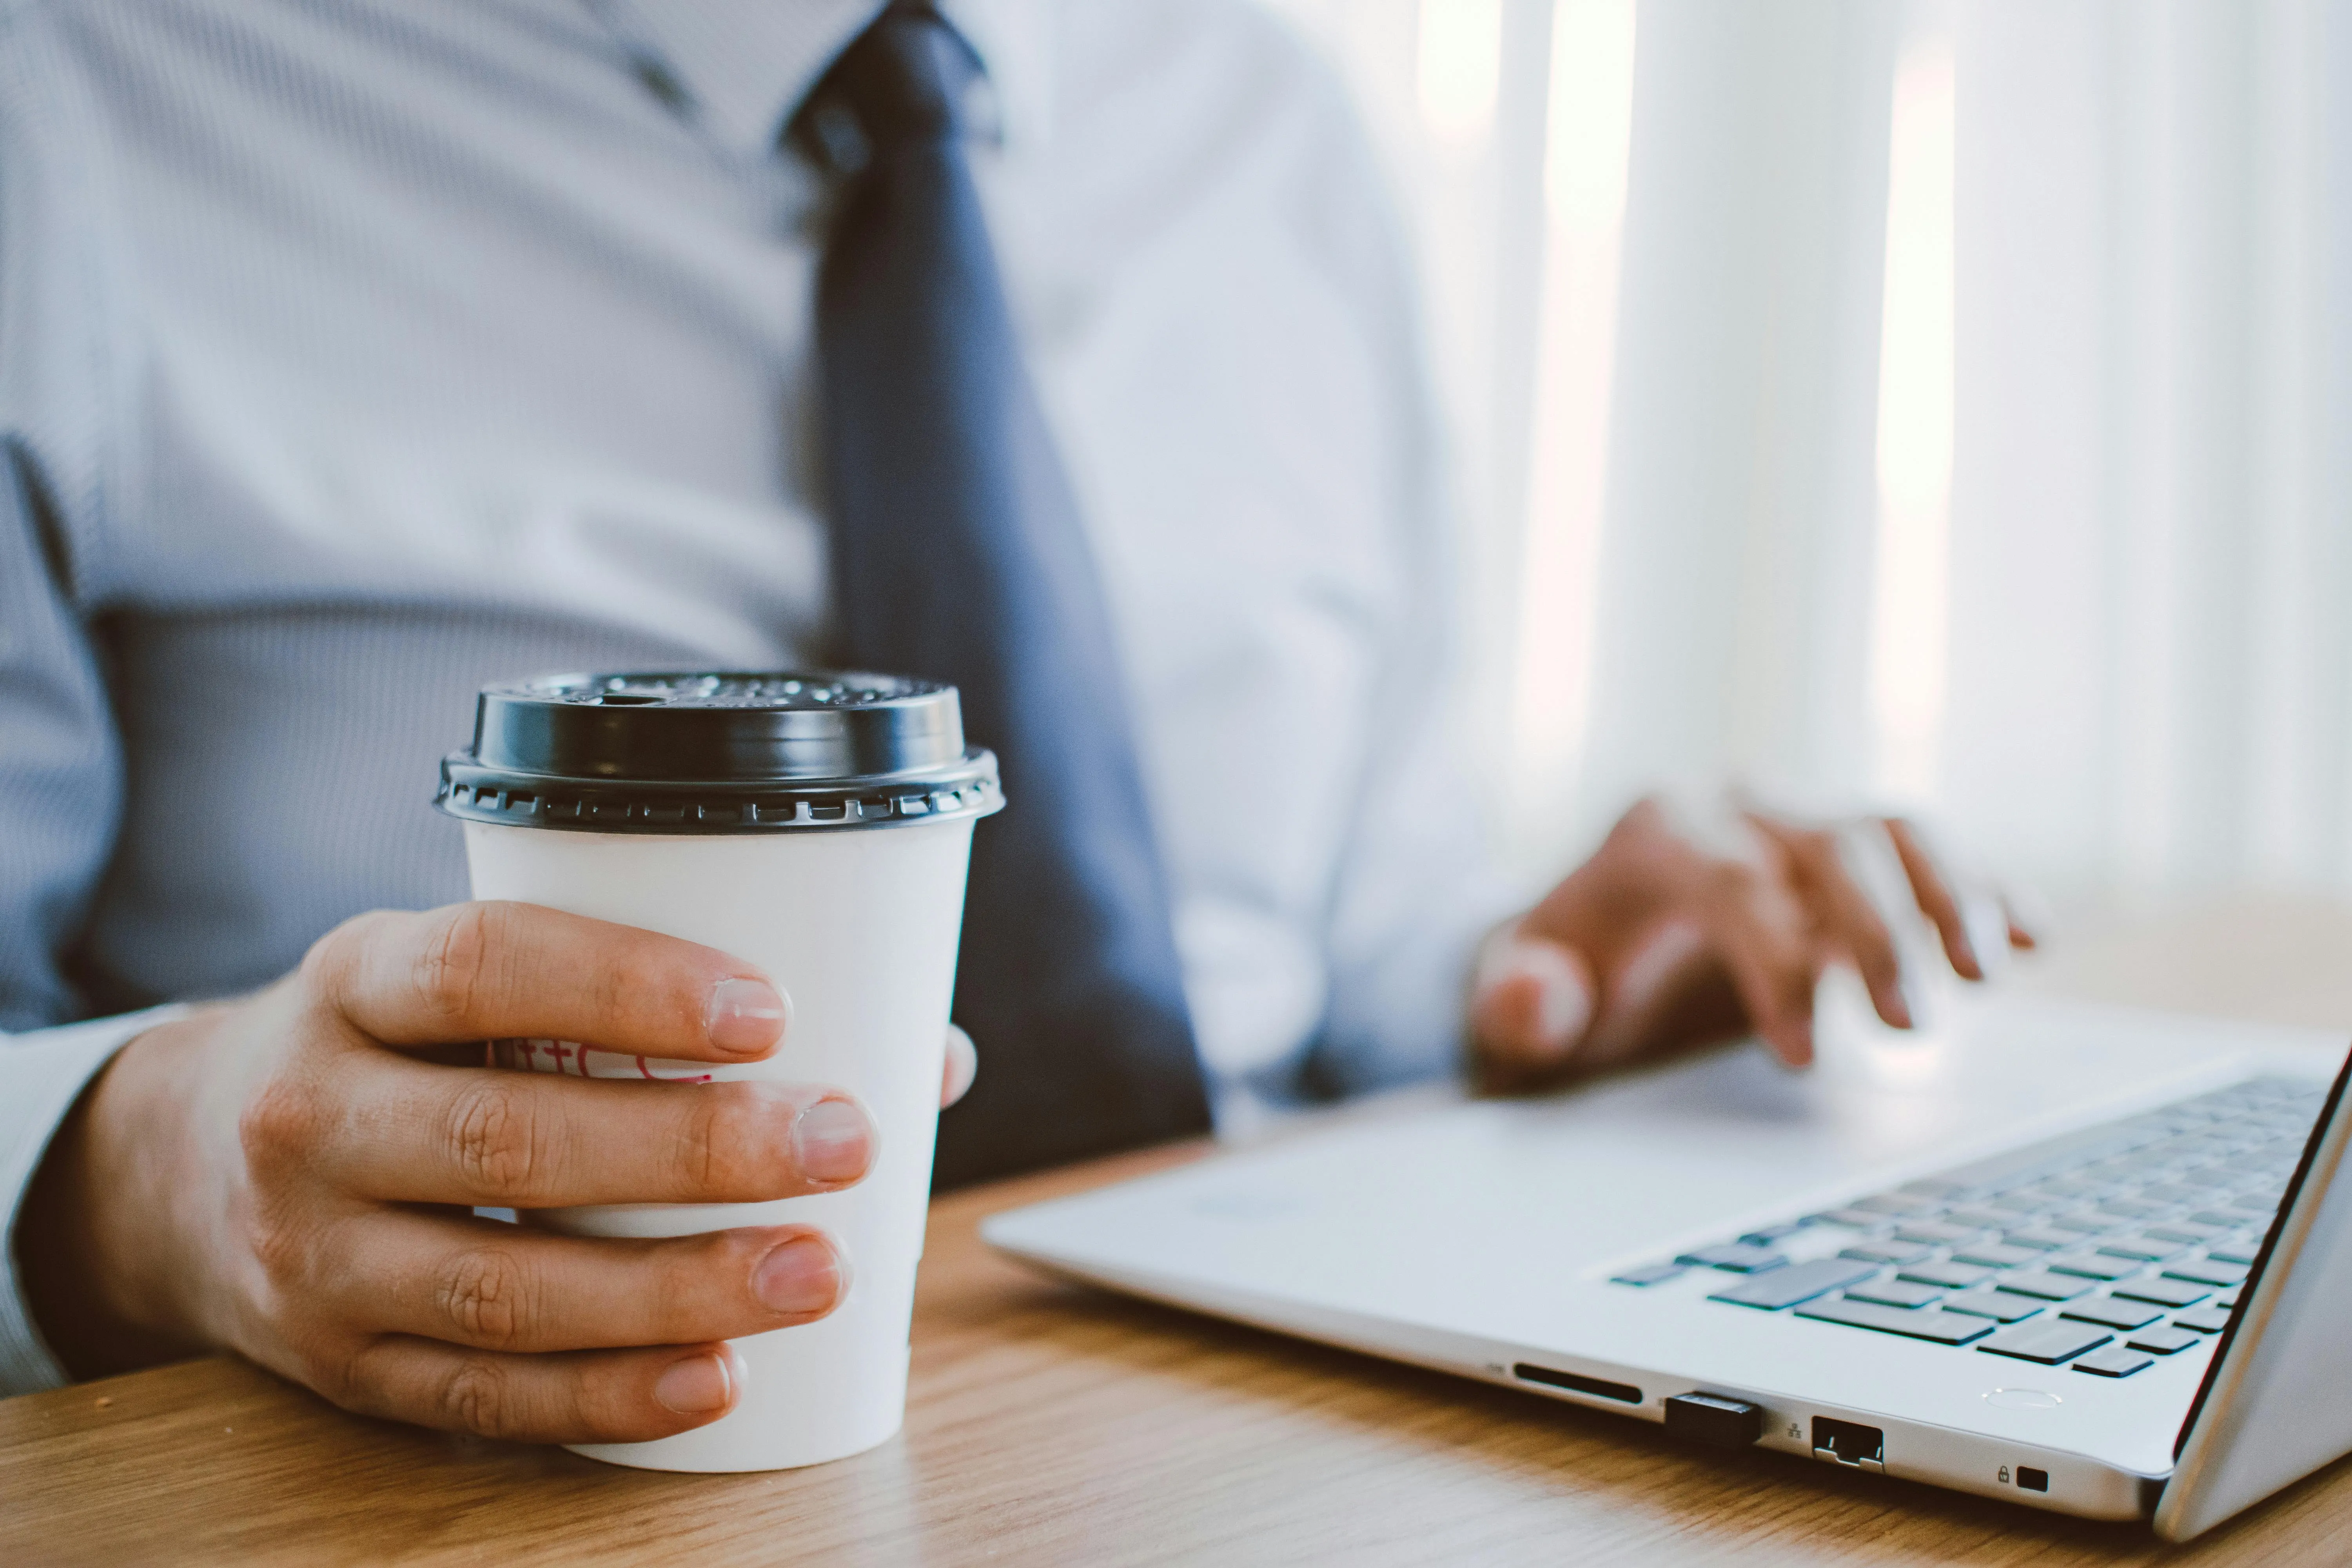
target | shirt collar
[{"x": 746, "y": 64}]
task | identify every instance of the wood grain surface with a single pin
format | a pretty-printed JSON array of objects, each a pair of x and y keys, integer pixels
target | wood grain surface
[{"x": 1052, "y": 1424}]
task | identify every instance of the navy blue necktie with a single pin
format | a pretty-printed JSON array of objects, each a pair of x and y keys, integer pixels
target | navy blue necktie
[{"x": 957, "y": 554}]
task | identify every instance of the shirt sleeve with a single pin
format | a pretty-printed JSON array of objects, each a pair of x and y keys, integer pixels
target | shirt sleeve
[
  {"x": 1418, "y": 881},
  {"x": 59, "y": 788},
  {"x": 60, "y": 758},
  {"x": 60, "y": 396},
  {"x": 45, "y": 1070}
]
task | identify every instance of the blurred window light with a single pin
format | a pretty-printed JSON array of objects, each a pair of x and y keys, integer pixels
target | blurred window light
[
  {"x": 1457, "y": 67},
  {"x": 1588, "y": 133},
  {"x": 1590, "y": 123},
  {"x": 1910, "y": 607}
]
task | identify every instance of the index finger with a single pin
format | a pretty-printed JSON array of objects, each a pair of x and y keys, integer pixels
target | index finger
[
  {"x": 493, "y": 969},
  {"x": 1933, "y": 891}
]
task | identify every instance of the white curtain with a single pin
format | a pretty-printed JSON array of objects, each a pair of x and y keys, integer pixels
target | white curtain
[
  {"x": 2152, "y": 545},
  {"x": 1943, "y": 402}
]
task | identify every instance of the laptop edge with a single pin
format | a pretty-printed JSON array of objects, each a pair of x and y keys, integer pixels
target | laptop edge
[
  {"x": 2250, "y": 1430},
  {"x": 2270, "y": 1409}
]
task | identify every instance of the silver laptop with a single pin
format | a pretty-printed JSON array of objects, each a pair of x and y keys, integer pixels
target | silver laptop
[{"x": 2084, "y": 1259}]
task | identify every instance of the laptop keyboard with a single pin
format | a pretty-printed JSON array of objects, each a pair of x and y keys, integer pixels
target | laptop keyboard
[{"x": 2101, "y": 1249}]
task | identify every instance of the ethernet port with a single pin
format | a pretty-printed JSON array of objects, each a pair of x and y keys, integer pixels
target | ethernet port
[{"x": 1849, "y": 1443}]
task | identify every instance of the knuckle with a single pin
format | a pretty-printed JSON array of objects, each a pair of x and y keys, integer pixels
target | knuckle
[
  {"x": 285, "y": 1248},
  {"x": 1874, "y": 942},
  {"x": 483, "y": 1297},
  {"x": 494, "y": 1139},
  {"x": 329, "y": 961},
  {"x": 331, "y": 1369},
  {"x": 456, "y": 962},
  {"x": 1732, "y": 881},
  {"x": 730, "y": 1139},
  {"x": 478, "y": 1396},
  {"x": 282, "y": 1125}
]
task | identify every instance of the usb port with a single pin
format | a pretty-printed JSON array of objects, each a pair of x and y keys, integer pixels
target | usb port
[
  {"x": 2032, "y": 1479},
  {"x": 1851, "y": 1444}
]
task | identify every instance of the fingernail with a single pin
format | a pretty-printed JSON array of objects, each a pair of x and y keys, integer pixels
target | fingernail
[
  {"x": 695, "y": 1387},
  {"x": 1965, "y": 958},
  {"x": 745, "y": 1016},
  {"x": 802, "y": 1276},
  {"x": 832, "y": 1141},
  {"x": 1566, "y": 1010}
]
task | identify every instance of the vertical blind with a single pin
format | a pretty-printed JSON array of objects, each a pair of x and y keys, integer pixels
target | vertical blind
[{"x": 1939, "y": 404}]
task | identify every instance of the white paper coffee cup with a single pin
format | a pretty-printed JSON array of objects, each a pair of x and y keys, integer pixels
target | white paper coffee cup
[{"x": 722, "y": 809}]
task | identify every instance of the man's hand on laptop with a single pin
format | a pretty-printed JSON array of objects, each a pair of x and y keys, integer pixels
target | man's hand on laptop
[
  {"x": 290, "y": 1175},
  {"x": 1679, "y": 931}
]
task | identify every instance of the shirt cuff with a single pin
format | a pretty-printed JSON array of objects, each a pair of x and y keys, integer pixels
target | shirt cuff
[{"x": 45, "y": 1071}]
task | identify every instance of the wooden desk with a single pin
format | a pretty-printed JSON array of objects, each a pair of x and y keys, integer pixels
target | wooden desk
[{"x": 1051, "y": 1425}]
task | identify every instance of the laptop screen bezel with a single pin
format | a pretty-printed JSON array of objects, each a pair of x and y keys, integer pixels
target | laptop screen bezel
[{"x": 2255, "y": 1276}]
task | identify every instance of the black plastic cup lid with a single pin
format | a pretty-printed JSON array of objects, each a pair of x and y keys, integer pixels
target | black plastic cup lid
[{"x": 719, "y": 752}]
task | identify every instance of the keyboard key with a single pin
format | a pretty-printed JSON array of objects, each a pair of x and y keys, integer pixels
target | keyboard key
[
  {"x": 2134, "y": 1208},
  {"x": 1894, "y": 1293},
  {"x": 2163, "y": 1341},
  {"x": 1941, "y": 1326},
  {"x": 2113, "y": 1362},
  {"x": 2163, "y": 1292},
  {"x": 1901, "y": 1204},
  {"x": 2023, "y": 1203},
  {"x": 2047, "y": 1342},
  {"x": 1992, "y": 1255},
  {"x": 1736, "y": 1256},
  {"x": 1886, "y": 1252},
  {"x": 2110, "y": 1312},
  {"x": 1766, "y": 1235},
  {"x": 1653, "y": 1274},
  {"x": 2173, "y": 1193},
  {"x": 1935, "y": 1232},
  {"x": 1979, "y": 1219},
  {"x": 2242, "y": 1253},
  {"x": 2091, "y": 1266},
  {"x": 1853, "y": 1219},
  {"x": 2001, "y": 1306},
  {"x": 2208, "y": 1272},
  {"x": 2077, "y": 1189},
  {"x": 1799, "y": 1282},
  {"x": 2144, "y": 1248},
  {"x": 2045, "y": 1287},
  {"x": 2182, "y": 1231},
  {"x": 1946, "y": 1276},
  {"x": 2232, "y": 1216},
  {"x": 2084, "y": 1223},
  {"x": 2211, "y": 1177},
  {"x": 2204, "y": 1319},
  {"x": 1933, "y": 1187},
  {"x": 2064, "y": 1155},
  {"x": 2043, "y": 1240},
  {"x": 2227, "y": 1303}
]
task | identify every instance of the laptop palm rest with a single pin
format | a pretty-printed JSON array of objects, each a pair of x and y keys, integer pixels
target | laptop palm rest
[{"x": 1522, "y": 1198}]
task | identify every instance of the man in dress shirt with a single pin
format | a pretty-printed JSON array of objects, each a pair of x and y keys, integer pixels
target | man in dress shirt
[{"x": 352, "y": 356}]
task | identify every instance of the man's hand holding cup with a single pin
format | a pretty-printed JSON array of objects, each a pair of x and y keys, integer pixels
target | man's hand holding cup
[{"x": 292, "y": 1175}]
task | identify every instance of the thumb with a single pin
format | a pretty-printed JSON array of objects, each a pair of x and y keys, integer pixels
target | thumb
[
  {"x": 962, "y": 1066},
  {"x": 1530, "y": 1003}
]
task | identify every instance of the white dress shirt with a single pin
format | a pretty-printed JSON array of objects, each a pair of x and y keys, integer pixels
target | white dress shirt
[{"x": 354, "y": 354}]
